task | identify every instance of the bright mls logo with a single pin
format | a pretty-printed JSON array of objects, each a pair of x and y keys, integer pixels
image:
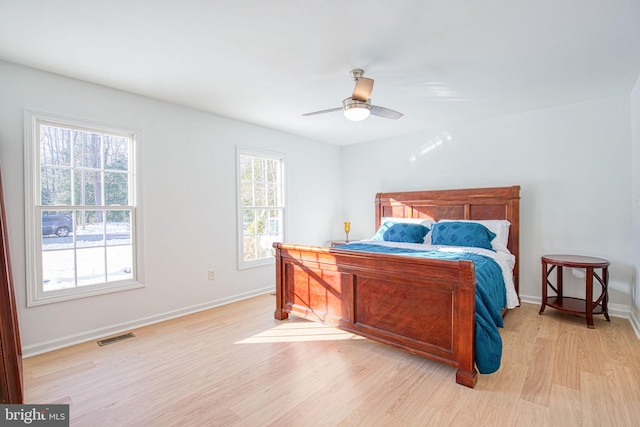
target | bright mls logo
[{"x": 34, "y": 415}]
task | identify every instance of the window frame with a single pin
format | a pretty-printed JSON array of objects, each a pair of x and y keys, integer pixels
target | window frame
[
  {"x": 33, "y": 232},
  {"x": 268, "y": 154}
]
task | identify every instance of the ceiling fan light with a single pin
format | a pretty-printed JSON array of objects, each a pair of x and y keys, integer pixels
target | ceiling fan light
[{"x": 356, "y": 111}]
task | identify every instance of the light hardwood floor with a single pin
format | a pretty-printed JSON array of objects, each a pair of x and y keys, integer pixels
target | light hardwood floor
[{"x": 238, "y": 366}]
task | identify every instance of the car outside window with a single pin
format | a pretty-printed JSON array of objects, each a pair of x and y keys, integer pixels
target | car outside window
[{"x": 60, "y": 225}]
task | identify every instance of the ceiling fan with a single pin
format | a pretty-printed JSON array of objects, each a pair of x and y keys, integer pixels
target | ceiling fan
[{"x": 358, "y": 106}]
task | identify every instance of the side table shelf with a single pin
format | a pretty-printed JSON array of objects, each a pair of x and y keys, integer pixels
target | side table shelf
[
  {"x": 587, "y": 305},
  {"x": 573, "y": 305}
]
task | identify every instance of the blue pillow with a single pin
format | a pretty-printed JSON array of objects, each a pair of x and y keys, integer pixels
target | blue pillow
[
  {"x": 401, "y": 232},
  {"x": 455, "y": 233}
]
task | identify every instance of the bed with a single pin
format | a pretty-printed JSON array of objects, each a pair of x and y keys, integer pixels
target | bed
[{"x": 421, "y": 305}]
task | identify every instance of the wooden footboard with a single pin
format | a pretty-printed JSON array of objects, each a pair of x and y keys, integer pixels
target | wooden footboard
[{"x": 431, "y": 315}]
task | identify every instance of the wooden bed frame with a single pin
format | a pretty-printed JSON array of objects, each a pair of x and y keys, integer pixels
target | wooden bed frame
[{"x": 424, "y": 306}]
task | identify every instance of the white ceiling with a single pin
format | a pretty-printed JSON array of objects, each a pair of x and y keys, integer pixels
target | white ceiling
[{"x": 440, "y": 62}]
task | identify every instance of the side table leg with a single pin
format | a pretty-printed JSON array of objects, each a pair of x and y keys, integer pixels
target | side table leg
[
  {"x": 544, "y": 287},
  {"x": 559, "y": 276},
  {"x": 589, "y": 298},
  {"x": 605, "y": 300}
]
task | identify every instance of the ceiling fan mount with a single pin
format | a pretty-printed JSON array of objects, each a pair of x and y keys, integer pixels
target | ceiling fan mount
[
  {"x": 356, "y": 74},
  {"x": 358, "y": 106}
]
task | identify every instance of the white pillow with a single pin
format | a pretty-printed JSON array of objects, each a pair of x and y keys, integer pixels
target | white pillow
[
  {"x": 423, "y": 221},
  {"x": 498, "y": 226}
]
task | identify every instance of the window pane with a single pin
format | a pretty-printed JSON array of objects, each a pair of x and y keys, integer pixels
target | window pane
[
  {"x": 57, "y": 228},
  {"x": 116, "y": 152},
  {"x": 271, "y": 232},
  {"x": 258, "y": 168},
  {"x": 245, "y": 166},
  {"x": 86, "y": 149},
  {"x": 272, "y": 194},
  {"x": 58, "y": 270},
  {"x": 91, "y": 229},
  {"x": 259, "y": 193},
  {"x": 246, "y": 193},
  {"x": 248, "y": 221},
  {"x": 261, "y": 220},
  {"x": 91, "y": 266},
  {"x": 55, "y": 186},
  {"x": 265, "y": 250},
  {"x": 249, "y": 245},
  {"x": 88, "y": 187},
  {"x": 55, "y": 146},
  {"x": 275, "y": 222},
  {"x": 119, "y": 263},
  {"x": 116, "y": 190},
  {"x": 118, "y": 227}
]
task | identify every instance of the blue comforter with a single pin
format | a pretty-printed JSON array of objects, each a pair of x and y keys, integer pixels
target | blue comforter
[{"x": 491, "y": 297}]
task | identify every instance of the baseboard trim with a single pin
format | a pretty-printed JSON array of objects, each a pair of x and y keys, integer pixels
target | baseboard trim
[
  {"x": 615, "y": 310},
  {"x": 94, "y": 334},
  {"x": 635, "y": 322}
]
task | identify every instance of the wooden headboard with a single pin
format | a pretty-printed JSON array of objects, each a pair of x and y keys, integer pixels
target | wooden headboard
[{"x": 476, "y": 203}]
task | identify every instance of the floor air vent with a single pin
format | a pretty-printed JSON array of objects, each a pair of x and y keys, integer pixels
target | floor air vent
[{"x": 115, "y": 339}]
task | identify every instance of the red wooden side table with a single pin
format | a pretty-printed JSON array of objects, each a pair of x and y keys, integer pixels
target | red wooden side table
[{"x": 584, "y": 306}]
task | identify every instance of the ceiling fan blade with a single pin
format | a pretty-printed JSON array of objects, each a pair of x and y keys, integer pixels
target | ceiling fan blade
[
  {"x": 330, "y": 110},
  {"x": 385, "y": 112},
  {"x": 363, "y": 89}
]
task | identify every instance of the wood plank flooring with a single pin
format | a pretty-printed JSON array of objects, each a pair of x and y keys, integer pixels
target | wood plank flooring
[{"x": 238, "y": 366}]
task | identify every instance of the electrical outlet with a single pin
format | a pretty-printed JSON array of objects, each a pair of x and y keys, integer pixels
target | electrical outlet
[{"x": 212, "y": 275}]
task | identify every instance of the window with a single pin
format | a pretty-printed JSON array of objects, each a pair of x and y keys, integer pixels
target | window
[
  {"x": 81, "y": 209},
  {"x": 261, "y": 206}
]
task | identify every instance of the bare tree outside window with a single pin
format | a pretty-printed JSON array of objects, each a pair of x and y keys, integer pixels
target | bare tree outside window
[
  {"x": 261, "y": 200},
  {"x": 83, "y": 208}
]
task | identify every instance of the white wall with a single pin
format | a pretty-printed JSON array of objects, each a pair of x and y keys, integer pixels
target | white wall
[
  {"x": 188, "y": 205},
  {"x": 572, "y": 162},
  {"x": 635, "y": 204}
]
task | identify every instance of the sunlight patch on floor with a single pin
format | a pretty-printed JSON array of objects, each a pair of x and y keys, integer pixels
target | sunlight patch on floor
[{"x": 299, "y": 331}]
